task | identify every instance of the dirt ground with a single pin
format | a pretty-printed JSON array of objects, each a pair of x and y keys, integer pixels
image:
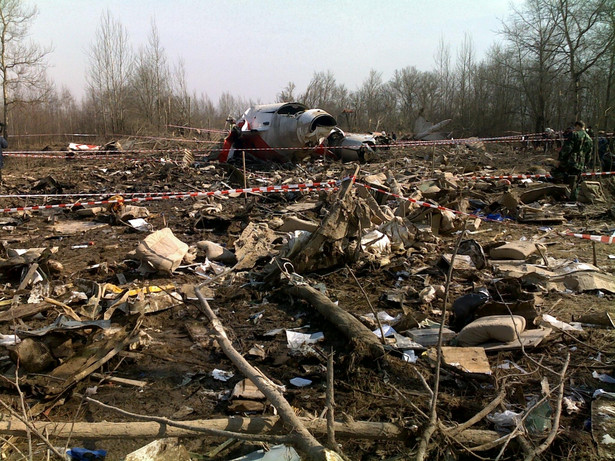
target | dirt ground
[{"x": 177, "y": 370}]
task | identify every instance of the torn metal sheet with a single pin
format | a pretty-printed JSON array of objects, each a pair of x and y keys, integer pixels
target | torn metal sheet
[
  {"x": 583, "y": 281},
  {"x": 222, "y": 375},
  {"x": 428, "y": 131},
  {"x": 275, "y": 453},
  {"x": 300, "y": 382},
  {"x": 168, "y": 448},
  {"x": 82, "y": 147},
  {"x": 63, "y": 323},
  {"x": 140, "y": 224},
  {"x": 105, "y": 345},
  {"x": 355, "y": 146},
  {"x": 429, "y": 336},
  {"x": 297, "y": 340},
  {"x": 254, "y": 243}
]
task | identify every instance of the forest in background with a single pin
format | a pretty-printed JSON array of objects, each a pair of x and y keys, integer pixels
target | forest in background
[{"x": 555, "y": 63}]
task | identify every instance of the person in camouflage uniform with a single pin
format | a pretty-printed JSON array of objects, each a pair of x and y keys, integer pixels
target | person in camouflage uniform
[{"x": 574, "y": 157}]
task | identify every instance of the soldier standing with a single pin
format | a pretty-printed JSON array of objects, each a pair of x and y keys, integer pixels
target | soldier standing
[{"x": 574, "y": 157}]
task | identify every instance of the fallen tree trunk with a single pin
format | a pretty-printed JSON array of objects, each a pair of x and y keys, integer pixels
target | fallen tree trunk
[
  {"x": 360, "y": 430},
  {"x": 151, "y": 429},
  {"x": 365, "y": 342}
]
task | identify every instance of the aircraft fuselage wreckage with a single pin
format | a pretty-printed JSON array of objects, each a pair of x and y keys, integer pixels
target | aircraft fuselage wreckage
[{"x": 289, "y": 132}]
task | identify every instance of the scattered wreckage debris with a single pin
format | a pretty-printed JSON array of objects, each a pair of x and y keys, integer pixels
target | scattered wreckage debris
[
  {"x": 286, "y": 282},
  {"x": 427, "y": 131}
]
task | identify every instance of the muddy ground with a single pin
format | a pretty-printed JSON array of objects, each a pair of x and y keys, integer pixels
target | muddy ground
[{"x": 178, "y": 371}]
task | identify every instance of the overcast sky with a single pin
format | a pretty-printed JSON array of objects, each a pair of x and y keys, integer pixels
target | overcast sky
[{"x": 253, "y": 48}]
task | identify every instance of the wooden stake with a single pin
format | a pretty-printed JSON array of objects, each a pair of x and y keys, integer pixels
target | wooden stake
[
  {"x": 330, "y": 404},
  {"x": 245, "y": 176}
]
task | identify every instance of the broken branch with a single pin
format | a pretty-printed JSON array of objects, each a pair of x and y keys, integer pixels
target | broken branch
[
  {"x": 302, "y": 437},
  {"x": 558, "y": 413},
  {"x": 433, "y": 416},
  {"x": 365, "y": 341},
  {"x": 256, "y": 428}
]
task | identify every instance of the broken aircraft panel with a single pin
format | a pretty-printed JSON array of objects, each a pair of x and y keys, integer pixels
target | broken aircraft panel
[
  {"x": 286, "y": 132},
  {"x": 428, "y": 131},
  {"x": 355, "y": 146}
]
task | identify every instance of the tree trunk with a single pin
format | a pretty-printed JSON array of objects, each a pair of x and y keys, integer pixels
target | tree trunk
[
  {"x": 366, "y": 343},
  {"x": 256, "y": 425}
]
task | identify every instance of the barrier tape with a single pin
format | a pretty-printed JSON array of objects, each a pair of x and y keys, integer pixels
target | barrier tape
[
  {"x": 98, "y": 194},
  {"x": 75, "y": 157},
  {"x": 595, "y": 238},
  {"x": 426, "y": 204},
  {"x": 305, "y": 187},
  {"x": 206, "y": 130},
  {"x": 515, "y": 176},
  {"x": 401, "y": 144},
  {"x": 161, "y": 138},
  {"x": 76, "y": 135},
  {"x": 527, "y": 176},
  {"x": 83, "y": 153}
]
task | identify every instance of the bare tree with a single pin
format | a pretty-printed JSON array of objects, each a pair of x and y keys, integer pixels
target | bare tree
[
  {"x": 151, "y": 80},
  {"x": 204, "y": 112},
  {"x": 534, "y": 43},
  {"x": 369, "y": 101},
  {"x": 465, "y": 71},
  {"x": 609, "y": 110},
  {"x": 109, "y": 71},
  {"x": 229, "y": 105},
  {"x": 405, "y": 85},
  {"x": 22, "y": 63},
  {"x": 446, "y": 81},
  {"x": 586, "y": 36},
  {"x": 287, "y": 94},
  {"x": 182, "y": 109},
  {"x": 321, "y": 92}
]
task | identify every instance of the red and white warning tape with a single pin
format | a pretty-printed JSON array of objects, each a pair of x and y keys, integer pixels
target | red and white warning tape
[
  {"x": 161, "y": 138},
  {"x": 526, "y": 176},
  {"x": 398, "y": 145},
  {"x": 306, "y": 187},
  {"x": 201, "y": 130},
  {"x": 594, "y": 238},
  {"x": 76, "y": 135},
  {"x": 425, "y": 204},
  {"x": 330, "y": 185},
  {"x": 98, "y": 194},
  {"x": 504, "y": 176},
  {"x": 79, "y": 155}
]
